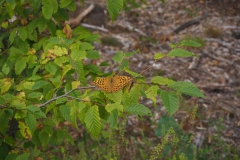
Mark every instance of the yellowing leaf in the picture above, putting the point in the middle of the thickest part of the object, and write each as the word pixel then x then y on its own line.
pixel 59 51
pixel 21 96
pixel 28 85
pixel 5 85
pixel 75 84
pixel 24 130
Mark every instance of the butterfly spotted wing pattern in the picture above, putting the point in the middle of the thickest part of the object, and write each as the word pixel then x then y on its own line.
pixel 119 82
pixel 114 84
pixel 104 84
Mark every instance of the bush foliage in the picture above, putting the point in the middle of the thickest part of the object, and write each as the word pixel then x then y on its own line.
pixel 46 81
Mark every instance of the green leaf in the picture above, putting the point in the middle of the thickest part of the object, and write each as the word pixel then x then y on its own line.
pixel 93 38
pixel 20 114
pixel 134 74
pixel 112 119
pixel 23 33
pixel 4 119
pixel 49 129
pixel 138 109
pixel 65 110
pixel 74 112
pixel 56 40
pixel 31 122
pixel 36 111
pixel 190 43
pixel 123 65
pixel 118 57
pixel 23 156
pixel 51 27
pixel 170 101
pixel 93 68
pixel 93 54
pixel 72 6
pixel 111 107
pixel 130 54
pixel 33 35
pixel 47 9
pixel 39 84
pixel 92 120
pixel 42 24
pixel 81 32
pixel 48 122
pixel 61 60
pixel 7 67
pixel 151 93
pixel 57 118
pixel 68 137
pixel 158 56
pixel 35 95
pixel 18 104
pixel 20 65
pixel 162 81
pixel 104 64
pixel 35 5
pixel 44 137
pixel 114 7
pixel 82 108
pixel 180 53
pixel 80 70
pixel 61 100
pixel 13 35
pixel 54 5
pixel 33 24
pixel 64 3
pixel 187 88
pixel 77 54
pixel 134 94
pixel 10 156
pixel 86 46
pixel 116 97
pixel 51 68
pixel 6 97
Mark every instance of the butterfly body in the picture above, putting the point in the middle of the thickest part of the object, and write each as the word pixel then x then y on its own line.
pixel 113 84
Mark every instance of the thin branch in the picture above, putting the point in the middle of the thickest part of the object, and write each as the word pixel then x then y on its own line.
pixel 64 95
pixel 53 99
pixel 94 27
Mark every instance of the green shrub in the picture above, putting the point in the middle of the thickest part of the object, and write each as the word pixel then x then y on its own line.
pixel 45 81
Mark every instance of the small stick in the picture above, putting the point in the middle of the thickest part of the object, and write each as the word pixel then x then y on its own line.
pixel 94 27
pixel 74 22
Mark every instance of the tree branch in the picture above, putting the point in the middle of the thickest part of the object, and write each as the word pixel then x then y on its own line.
pixel 53 99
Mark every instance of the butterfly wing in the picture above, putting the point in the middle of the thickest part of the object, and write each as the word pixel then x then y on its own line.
pixel 119 82
pixel 103 83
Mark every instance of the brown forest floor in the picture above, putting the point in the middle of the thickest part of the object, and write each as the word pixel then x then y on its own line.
pixel 216 72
